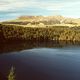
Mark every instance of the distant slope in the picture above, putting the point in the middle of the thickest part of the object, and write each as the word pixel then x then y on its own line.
pixel 46 20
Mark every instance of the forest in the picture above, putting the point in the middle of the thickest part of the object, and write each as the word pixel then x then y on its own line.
pixel 47 33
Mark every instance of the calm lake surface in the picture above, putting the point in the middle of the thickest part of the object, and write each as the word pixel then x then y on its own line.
pixel 41 60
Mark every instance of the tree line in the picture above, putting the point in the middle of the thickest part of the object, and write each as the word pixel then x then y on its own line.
pixel 13 32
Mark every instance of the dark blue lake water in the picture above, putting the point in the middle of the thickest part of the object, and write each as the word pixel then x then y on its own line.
pixel 41 62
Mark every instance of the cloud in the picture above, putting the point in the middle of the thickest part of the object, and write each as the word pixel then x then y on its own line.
pixel 44 4
pixel 17 4
pixel 43 7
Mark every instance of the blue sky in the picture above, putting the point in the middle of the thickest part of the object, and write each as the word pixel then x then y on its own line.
pixel 10 9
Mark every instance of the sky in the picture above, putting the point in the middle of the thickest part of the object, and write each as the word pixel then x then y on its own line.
pixel 10 9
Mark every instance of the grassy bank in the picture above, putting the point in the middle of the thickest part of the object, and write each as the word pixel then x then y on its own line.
pixel 13 32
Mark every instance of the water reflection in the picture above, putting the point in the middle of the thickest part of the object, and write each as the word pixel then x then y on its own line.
pixel 18 46
pixel 52 60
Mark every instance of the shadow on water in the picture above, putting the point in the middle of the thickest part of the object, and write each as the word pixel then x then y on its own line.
pixel 41 64
pixel 18 46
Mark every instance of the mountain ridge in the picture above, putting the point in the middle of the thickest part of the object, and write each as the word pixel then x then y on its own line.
pixel 46 20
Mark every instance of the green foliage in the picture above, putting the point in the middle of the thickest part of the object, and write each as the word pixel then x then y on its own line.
pixel 13 32
pixel 11 75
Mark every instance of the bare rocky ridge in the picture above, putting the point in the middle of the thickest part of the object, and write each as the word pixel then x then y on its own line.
pixel 46 20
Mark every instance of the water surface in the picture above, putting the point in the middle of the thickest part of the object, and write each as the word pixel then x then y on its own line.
pixel 41 61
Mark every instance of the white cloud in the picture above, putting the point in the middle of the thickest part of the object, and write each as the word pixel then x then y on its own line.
pixel 48 5
pixel 6 5
pixel 14 4
pixel 17 4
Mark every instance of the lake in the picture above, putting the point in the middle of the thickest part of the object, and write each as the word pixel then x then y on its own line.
pixel 41 60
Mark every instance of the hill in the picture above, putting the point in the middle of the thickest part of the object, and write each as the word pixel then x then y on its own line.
pixel 40 28
pixel 44 20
